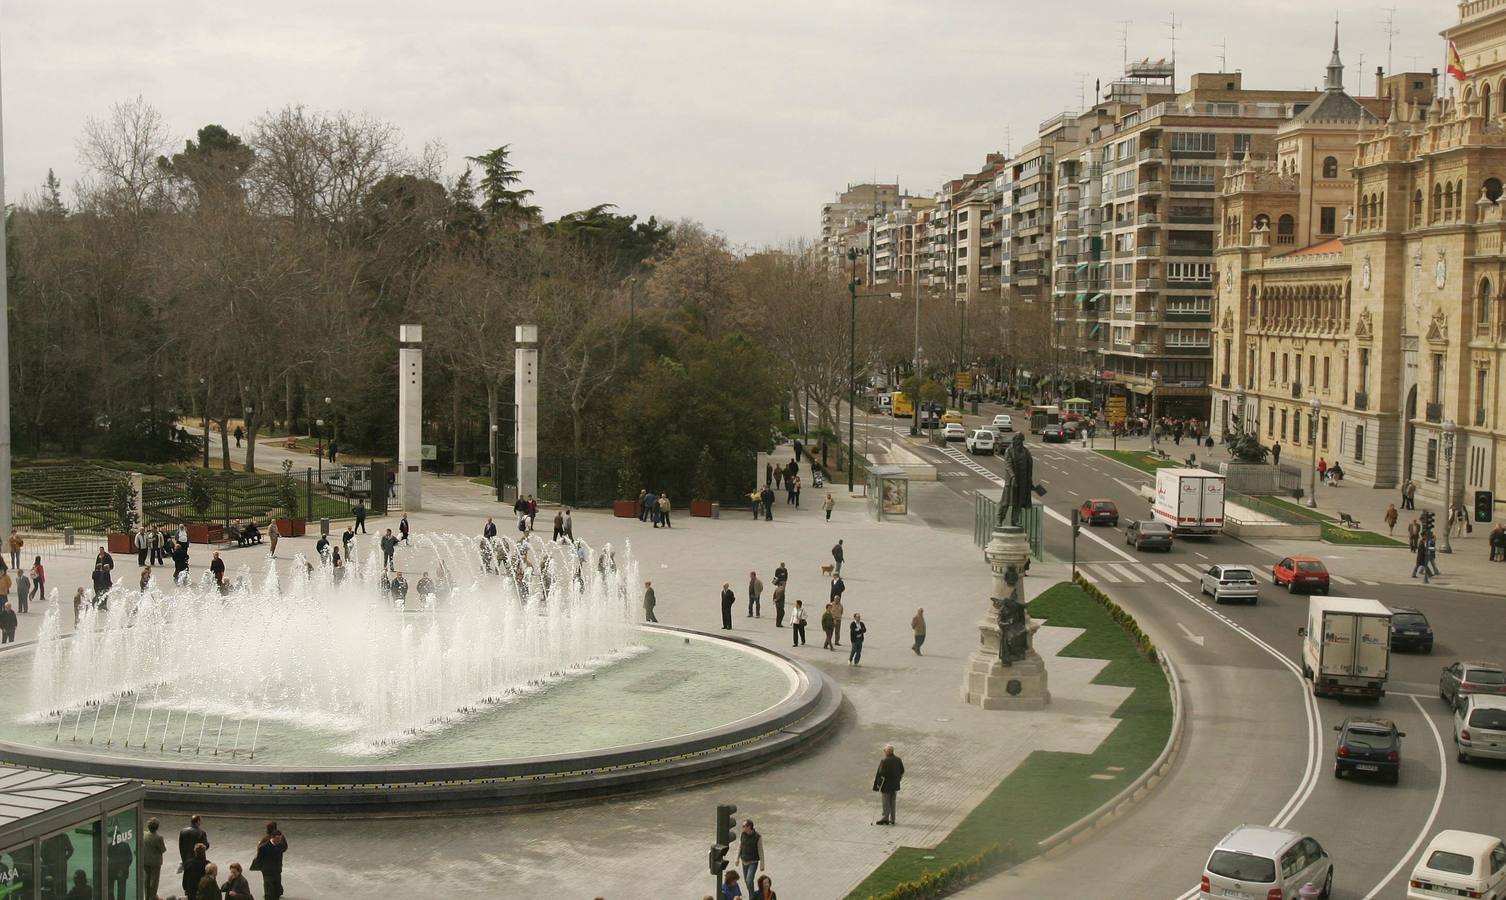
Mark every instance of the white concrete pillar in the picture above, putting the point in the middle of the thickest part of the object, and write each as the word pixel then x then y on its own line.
pixel 410 416
pixel 526 396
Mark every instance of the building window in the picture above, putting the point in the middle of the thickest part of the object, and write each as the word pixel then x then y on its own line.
pixel 1437 378
pixel 1359 443
pixel 1283 423
pixel 1286 230
pixel 1270 422
pixel 1482 382
pixel 1286 372
pixel 1433 459
pixel 1252 377
pixel 1364 370
pixel 1417 208
pixel 1482 305
pixel 1189 271
pixel 1192 143
pixel 1242 144
pixel 1327 219
pixel 1323 441
pixel 1326 361
pixel 1189 305
pixel 1192 174
pixel 1312 370
pixel 1330 167
pixel 1273 367
pixel 1186 337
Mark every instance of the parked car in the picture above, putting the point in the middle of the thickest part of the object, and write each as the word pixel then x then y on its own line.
pixel 1148 534
pixel 953 433
pixel 1470 678
pixel 1255 862
pixel 1003 423
pixel 1230 583
pixel 1071 428
pixel 1093 512
pixel 929 419
pixel 951 417
pixel 1053 434
pixel 981 441
pixel 1460 864
pixel 1410 629
pixel 1480 727
pixel 1305 573
pixel 1370 746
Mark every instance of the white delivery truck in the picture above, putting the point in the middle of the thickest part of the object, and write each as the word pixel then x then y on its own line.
pixel 1191 501
pixel 1346 646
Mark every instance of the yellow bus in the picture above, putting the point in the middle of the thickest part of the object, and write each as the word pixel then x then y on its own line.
pixel 901 405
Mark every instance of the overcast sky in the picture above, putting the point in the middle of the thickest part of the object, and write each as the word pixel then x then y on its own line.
pixel 744 115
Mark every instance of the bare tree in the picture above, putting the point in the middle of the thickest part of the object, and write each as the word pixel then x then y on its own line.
pixel 121 150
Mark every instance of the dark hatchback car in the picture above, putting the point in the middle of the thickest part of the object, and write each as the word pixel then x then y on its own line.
pixel 1148 534
pixel 1410 630
pixel 1053 434
pixel 1368 746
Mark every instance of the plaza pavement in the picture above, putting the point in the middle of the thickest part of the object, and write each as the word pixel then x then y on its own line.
pixel 815 810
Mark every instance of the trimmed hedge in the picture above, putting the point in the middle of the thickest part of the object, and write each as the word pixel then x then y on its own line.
pixel 1117 613
pixel 952 878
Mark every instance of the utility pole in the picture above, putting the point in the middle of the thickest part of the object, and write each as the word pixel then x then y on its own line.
pixel 852 365
pixel 7 506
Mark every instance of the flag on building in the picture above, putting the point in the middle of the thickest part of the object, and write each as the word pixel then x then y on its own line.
pixel 1455 64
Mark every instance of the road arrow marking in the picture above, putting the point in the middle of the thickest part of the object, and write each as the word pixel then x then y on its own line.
pixel 1195 638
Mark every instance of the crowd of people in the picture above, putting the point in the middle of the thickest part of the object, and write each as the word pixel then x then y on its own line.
pixel 200 876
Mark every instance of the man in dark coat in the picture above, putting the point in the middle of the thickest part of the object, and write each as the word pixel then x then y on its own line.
pixel 837 554
pixel 269 853
pixel 191 834
pixel 728 599
pixel 360 517
pixel 886 782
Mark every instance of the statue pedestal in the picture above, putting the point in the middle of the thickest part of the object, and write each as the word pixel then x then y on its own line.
pixel 989 682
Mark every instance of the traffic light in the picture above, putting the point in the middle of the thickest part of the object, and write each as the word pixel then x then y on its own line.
pixel 1485 502
pixel 726 833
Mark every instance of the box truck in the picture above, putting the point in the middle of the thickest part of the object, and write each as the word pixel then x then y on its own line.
pixel 1346 646
pixel 1191 501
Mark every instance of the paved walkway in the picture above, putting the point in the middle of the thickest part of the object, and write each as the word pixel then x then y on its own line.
pixel 814 810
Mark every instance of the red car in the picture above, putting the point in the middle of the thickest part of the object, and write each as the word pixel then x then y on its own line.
pixel 1301 573
pixel 1094 511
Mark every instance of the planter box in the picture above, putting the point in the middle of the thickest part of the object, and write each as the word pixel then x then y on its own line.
pixel 700 508
pixel 625 509
pixel 290 527
pixel 119 543
pixel 205 533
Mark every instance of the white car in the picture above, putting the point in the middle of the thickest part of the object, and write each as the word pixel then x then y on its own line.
pixel 1480 727
pixel 1230 583
pixel 1460 864
pixel 982 441
pixel 953 432
pixel 1003 423
pixel 1254 862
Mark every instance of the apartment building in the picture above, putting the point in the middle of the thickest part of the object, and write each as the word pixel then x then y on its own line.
pixel 854 207
pixel 1146 299
pixel 895 248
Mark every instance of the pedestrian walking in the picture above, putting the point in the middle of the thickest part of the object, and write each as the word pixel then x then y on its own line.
pixel 1391 517
pixel 141 543
pixel 389 547
pixel 333 451
pixel 886 781
pixel 781 576
pixel 180 561
pixel 796 492
pixel 826 625
pixel 217 569
pixel 856 632
pixel 730 889
pixel 1409 495
pixel 239 434
pixel 664 507
pixel 533 512
pixel 768 473
pixel 765 889
pixel 1432 546
pixel 8 620
pixel 569 527
pixel 837 554
pixel 272 535
pixel 489 530
pixel 347 538
pixel 1420 563
pixel 728 600
pixel 15 543
pixel 918 627
pixel 836 619
pixel 191 836
pixel 797 625
pixel 1322 469
pixel 755 596
pixel 755 498
pixel 1498 543
pixel 153 850
pixel 1276 454
pixel 649 602
pixel 402 528
pixel 269 853
pixel 828 505
pixel 23 591
pixel 778 478
pixel 1414 533
pixel 768 504
pixel 559 526
pixel 155 541
pixel 360 517
pixel 750 851
pixel 779 606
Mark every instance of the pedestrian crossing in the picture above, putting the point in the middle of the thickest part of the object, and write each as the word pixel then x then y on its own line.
pixel 1174 573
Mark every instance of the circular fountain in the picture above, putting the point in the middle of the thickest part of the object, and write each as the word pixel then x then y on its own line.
pixel 513 672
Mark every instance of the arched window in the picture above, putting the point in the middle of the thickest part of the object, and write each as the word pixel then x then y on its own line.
pixel 1286 230
pixel 1330 167
pixel 1448 202
pixel 1262 220
pixel 1417 208
pixel 1492 188
pixel 1482 305
pixel 1485 100
pixel 1437 211
pixel 1380 208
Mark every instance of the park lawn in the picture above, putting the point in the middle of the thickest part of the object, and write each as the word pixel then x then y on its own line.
pixel 1139 459
pixel 1334 533
pixel 1051 790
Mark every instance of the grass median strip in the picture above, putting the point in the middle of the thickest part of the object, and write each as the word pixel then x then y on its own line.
pixel 1049 790
pixel 1333 532
pixel 1139 459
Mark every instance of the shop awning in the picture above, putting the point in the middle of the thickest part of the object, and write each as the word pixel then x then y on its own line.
pixel 1081 296
pixel 1094 331
pixel 1076 400
pixel 1100 296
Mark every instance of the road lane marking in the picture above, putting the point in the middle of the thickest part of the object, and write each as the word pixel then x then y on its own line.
pixel 1194 573
pixel 1125 572
pixel 1427 827
pixel 1340 579
pixel 1199 555
pixel 1195 638
pixel 1168 570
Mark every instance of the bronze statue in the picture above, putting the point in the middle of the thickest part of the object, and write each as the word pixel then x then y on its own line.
pixel 1014 631
pixel 1019 481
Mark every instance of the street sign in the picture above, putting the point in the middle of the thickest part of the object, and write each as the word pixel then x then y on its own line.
pixel 964 380
pixel 1114 410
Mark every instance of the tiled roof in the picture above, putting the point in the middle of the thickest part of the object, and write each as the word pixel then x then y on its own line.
pixel 1332 245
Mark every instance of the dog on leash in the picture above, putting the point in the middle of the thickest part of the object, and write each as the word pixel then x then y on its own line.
pixel 827 570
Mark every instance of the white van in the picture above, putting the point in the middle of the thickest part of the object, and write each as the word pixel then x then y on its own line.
pixel 981 441
pixel 1258 862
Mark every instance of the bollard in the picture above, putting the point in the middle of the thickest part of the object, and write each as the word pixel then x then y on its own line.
pixel 1309 891
pixel 68 536
pixel 324 525
pixel 716 509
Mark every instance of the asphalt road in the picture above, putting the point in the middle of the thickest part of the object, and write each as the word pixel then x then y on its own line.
pixel 1259 747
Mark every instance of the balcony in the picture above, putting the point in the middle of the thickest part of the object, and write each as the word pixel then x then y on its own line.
pixel 1435 412
pixel 1148 348
pixel 1196 187
pixel 1188 315
pixel 1147 284
pixel 1361 402
pixel 1189 219
pixel 1188 250
pixel 1146 316
pixel 1193 154
pixel 1190 284
pixel 1296 390
pixel 1152 155
pixel 1188 350
pixel 1148 219
pixel 1150 187
pixel 1148 251
pixel 1065 259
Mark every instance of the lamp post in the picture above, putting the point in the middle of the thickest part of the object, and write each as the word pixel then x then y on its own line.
pixel 1448 482
pixel 319 423
pixel 1312 440
pixel 915 367
pixel 1239 411
pixel 852 361
pixel 1155 382
pixel 203 382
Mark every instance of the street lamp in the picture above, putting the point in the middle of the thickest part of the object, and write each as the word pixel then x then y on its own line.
pixel 1239 411
pixel 319 424
pixel 1448 482
pixel 1155 382
pixel 205 384
pixel 915 367
pixel 1312 439
pixel 852 361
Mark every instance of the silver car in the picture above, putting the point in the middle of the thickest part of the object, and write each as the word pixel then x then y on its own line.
pixel 1230 583
pixel 1254 862
pixel 1480 727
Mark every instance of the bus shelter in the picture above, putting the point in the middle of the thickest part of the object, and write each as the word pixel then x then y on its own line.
pixel 69 835
pixel 888 492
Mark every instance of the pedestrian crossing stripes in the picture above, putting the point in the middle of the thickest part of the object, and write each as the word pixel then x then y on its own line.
pixel 1175 573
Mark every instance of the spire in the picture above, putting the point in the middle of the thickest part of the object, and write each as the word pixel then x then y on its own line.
pixel 1335 80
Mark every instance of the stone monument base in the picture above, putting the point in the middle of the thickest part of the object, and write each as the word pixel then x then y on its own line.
pixel 990 684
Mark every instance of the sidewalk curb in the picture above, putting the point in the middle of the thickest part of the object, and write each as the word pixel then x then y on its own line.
pixel 1138 789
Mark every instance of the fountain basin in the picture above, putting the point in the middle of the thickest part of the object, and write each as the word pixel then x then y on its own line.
pixel 688 706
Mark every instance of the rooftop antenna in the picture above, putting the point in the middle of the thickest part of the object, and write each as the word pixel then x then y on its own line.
pixel 1124 25
pixel 1223 55
pixel 1082 90
pixel 1006 142
pixel 1391 32
pixel 1172 25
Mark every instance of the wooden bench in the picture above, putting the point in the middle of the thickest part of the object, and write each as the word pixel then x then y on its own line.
pixel 1348 521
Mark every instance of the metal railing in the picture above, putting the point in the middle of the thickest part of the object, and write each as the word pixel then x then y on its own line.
pixel 986 516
